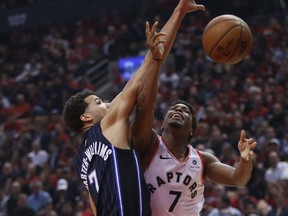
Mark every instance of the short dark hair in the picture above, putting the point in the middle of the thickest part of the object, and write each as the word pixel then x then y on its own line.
pixel 74 108
pixel 192 110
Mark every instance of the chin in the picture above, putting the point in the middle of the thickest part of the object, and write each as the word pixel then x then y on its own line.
pixel 175 124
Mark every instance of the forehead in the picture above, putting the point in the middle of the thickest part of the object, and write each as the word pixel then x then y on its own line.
pixel 182 106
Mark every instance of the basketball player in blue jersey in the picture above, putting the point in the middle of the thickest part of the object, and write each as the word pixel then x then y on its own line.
pixel 173 169
pixel 105 162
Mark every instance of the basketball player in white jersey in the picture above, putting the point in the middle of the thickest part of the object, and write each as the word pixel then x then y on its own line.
pixel 174 170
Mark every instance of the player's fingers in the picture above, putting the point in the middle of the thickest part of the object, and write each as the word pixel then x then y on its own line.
pixel 250 141
pixel 154 27
pixel 242 136
pixel 200 7
pixel 242 146
pixel 159 42
pixel 157 35
pixel 253 145
pixel 147 27
pixel 160 34
pixel 147 30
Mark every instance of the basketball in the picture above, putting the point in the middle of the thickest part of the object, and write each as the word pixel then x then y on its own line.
pixel 227 39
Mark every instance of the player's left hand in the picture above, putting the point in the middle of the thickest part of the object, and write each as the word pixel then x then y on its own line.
pixel 246 146
pixel 154 41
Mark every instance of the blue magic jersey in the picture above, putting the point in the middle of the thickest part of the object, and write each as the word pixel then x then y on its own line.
pixel 112 176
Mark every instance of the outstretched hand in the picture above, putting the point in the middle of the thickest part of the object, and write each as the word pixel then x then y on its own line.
pixel 154 41
pixel 246 146
pixel 190 6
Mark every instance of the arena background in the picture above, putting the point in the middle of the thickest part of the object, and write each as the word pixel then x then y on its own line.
pixel 50 50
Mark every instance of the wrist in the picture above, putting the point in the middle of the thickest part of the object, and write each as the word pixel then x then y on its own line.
pixel 246 160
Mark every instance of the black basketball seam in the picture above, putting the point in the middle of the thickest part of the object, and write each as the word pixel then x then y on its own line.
pixel 205 30
pixel 223 35
pixel 241 32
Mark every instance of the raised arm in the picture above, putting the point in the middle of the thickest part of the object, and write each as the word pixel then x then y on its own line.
pixel 123 104
pixel 143 136
pixel 224 174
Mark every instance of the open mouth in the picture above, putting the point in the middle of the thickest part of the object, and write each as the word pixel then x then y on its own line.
pixel 176 115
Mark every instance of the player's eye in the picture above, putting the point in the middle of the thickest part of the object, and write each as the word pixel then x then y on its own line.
pixel 186 111
pixel 98 101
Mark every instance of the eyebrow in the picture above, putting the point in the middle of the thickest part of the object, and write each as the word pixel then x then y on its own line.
pixel 182 107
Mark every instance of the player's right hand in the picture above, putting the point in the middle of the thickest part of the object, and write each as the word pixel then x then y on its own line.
pixel 154 41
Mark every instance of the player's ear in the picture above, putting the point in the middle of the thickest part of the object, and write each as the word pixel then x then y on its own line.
pixel 85 117
pixel 191 134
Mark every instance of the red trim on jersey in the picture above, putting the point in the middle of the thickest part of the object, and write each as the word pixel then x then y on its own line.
pixel 153 154
pixel 203 163
pixel 186 159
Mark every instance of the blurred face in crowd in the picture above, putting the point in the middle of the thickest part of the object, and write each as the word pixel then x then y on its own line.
pixel 273 159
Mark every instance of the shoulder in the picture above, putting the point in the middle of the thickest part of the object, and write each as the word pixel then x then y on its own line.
pixel 208 157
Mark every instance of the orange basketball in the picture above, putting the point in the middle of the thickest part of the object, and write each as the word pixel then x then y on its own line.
pixel 227 39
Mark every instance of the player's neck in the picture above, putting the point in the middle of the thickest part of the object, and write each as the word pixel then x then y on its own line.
pixel 176 145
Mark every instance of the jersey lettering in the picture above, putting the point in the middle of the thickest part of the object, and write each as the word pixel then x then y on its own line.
pixel 176 177
pixel 177 194
pixel 96 148
pixel 93 179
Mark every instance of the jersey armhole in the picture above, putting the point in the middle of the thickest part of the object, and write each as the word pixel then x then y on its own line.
pixel 152 155
pixel 203 165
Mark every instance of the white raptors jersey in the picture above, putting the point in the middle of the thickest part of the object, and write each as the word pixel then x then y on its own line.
pixel 176 187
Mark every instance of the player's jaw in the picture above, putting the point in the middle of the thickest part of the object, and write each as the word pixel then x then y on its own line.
pixel 175 119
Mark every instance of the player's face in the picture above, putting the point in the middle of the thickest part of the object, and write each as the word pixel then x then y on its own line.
pixel 96 108
pixel 178 116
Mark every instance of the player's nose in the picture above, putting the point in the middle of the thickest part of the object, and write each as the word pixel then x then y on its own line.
pixel 178 109
pixel 107 105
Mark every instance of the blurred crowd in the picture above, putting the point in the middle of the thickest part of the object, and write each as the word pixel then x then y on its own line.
pixel 13 4
pixel 38 71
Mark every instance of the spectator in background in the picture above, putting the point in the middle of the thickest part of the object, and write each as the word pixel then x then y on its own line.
pixel 13 197
pixel 53 151
pixel 276 168
pixel 3 201
pixel 4 101
pixel 38 156
pixel 62 195
pixel 228 155
pixel 281 205
pixel 241 199
pixel 274 145
pixel 22 207
pixel 223 207
pixel 29 176
pixel 67 209
pixel 169 76
pixel 20 109
pixel 277 116
pixel 31 70
pixel 257 186
pixel 7 176
pixel 273 188
pixel 38 198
